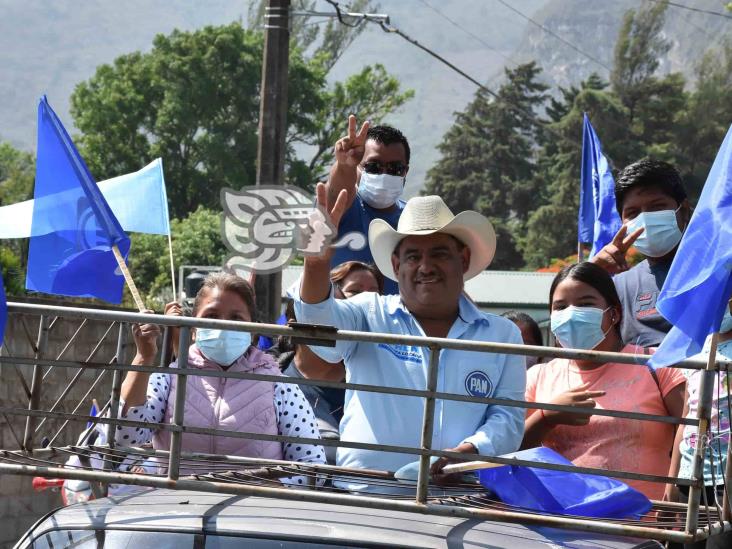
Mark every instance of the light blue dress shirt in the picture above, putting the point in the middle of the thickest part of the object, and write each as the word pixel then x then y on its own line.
pixel 397 420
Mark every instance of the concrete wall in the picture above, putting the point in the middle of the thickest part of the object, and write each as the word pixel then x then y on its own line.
pixel 20 506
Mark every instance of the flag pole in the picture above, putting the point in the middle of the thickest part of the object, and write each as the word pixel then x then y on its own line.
pixel 580 253
pixel 128 278
pixel 172 267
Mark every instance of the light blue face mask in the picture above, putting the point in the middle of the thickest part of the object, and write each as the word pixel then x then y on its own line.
pixel 222 346
pixel 578 327
pixel 661 234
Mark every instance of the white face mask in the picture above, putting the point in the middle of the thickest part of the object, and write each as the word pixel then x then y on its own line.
pixel 661 234
pixel 380 190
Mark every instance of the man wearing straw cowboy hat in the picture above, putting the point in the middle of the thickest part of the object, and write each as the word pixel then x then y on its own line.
pixel 431 254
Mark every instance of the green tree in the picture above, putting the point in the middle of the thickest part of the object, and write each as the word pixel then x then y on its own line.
pixel 488 159
pixel 702 125
pixel 194 101
pixel 551 231
pixel 196 241
pixel 13 274
pixel 652 101
pixel 17 172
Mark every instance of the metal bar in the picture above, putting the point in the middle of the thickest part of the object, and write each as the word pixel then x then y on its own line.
pixel 28 336
pixel 9 354
pixel 93 352
pixel 347 499
pixel 35 399
pixel 73 338
pixel 76 377
pixel 116 384
pixel 727 494
pixel 374 389
pixel 179 406
pixel 76 409
pixel 273 329
pixel 70 385
pixel 12 431
pixel 359 446
pixel 428 421
pixel 704 415
pixel 166 347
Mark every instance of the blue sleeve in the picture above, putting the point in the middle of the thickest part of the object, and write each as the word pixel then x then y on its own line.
pixel 341 313
pixel 503 428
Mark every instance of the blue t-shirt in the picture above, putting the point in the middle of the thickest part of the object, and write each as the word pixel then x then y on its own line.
pixel 356 220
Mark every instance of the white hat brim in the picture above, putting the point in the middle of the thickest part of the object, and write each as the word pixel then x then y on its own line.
pixel 471 228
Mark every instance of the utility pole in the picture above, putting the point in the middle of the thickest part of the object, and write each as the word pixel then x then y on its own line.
pixel 272 132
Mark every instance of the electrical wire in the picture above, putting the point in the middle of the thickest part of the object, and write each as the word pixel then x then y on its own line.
pixel 555 35
pixel 697 10
pixel 466 31
pixel 340 16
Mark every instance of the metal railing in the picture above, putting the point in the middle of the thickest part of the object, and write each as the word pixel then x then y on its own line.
pixel 32 459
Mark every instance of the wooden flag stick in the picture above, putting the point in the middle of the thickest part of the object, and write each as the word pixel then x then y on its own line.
pixel 128 278
pixel 172 267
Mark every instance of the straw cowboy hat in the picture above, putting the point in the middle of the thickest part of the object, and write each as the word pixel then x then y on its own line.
pixel 425 215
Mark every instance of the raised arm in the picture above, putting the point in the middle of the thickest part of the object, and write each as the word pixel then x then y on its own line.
pixel 348 154
pixel 612 256
pixel 134 387
pixel 315 285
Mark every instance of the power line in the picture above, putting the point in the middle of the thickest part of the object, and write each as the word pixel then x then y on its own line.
pixel 466 31
pixel 555 35
pixel 393 30
pixel 388 28
pixel 697 10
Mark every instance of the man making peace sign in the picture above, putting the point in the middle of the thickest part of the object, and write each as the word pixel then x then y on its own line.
pixel 371 165
pixel 652 203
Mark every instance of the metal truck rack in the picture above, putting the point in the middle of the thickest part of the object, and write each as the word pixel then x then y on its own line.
pixel 675 522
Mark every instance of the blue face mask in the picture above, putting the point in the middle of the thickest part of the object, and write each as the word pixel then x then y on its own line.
pixel 661 234
pixel 222 346
pixel 578 327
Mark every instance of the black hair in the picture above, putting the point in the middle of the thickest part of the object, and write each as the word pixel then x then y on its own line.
pixel 522 318
pixel 340 273
pixel 386 135
pixel 649 172
pixel 593 276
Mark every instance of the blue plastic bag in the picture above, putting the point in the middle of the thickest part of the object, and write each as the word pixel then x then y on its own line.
pixel 562 492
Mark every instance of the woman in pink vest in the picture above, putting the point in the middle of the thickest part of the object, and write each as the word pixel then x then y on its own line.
pixel 215 402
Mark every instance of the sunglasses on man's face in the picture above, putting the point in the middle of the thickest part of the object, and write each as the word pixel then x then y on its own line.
pixel 391 168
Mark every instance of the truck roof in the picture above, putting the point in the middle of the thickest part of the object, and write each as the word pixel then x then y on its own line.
pixel 162 510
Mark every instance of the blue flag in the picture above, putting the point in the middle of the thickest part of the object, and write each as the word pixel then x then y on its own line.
pixel 699 283
pixel 75 257
pixel 3 308
pixel 92 412
pixel 138 201
pixel 598 217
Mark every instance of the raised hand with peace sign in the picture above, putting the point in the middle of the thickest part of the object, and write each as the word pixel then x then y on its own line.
pixel 612 256
pixel 349 151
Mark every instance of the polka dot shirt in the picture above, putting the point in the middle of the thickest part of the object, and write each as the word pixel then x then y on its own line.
pixel 295 418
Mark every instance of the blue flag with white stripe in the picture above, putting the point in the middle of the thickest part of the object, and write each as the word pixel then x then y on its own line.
pixel 699 282
pixel 598 216
pixel 74 257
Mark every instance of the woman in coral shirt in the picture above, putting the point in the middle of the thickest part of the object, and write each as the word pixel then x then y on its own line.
pixel 586 314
